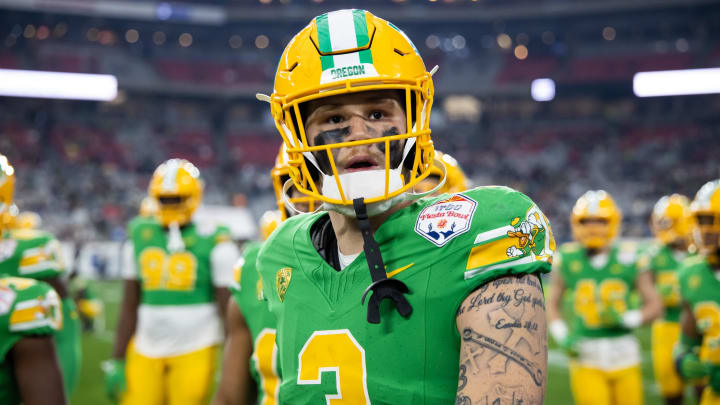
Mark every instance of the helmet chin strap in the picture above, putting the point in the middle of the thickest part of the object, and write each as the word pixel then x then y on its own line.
pixel 381 287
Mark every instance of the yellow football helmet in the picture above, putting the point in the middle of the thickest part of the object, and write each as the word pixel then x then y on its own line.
pixel 705 214
pixel 280 174
pixel 178 189
pixel 27 220
pixel 595 205
pixel 7 188
pixel 455 179
pixel 670 219
pixel 148 207
pixel 268 222
pixel 339 53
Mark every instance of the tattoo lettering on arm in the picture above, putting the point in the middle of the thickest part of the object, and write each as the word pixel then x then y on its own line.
pixel 503 355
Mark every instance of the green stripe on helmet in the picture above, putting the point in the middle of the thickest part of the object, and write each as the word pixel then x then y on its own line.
pixel 361 32
pixel 323 30
pixel 327 62
pixel 365 56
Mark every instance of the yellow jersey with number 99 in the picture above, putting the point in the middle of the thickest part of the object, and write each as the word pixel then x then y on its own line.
pixel 177 312
pixel 598 288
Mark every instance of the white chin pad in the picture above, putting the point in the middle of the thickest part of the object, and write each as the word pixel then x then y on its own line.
pixel 362 184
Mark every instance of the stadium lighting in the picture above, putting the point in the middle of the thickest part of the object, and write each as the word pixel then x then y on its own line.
pixel 677 82
pixel 71 86
pixel 542 89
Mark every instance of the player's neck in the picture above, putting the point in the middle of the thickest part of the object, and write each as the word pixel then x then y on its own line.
pixel 348 233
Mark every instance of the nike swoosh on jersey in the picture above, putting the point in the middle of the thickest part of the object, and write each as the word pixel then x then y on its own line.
pixel 397 271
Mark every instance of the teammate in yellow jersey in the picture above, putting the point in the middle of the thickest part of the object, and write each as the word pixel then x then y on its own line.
pixel 455 179
pixel 697 356
pixel 670 223
pixel 601 275
pixel 250 371
pixel 176 276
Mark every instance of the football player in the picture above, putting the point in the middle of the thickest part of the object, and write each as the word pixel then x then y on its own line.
pixel 601 275
pixel 251 327
pixel 384 297
pixel 697 356
pixel 670 223
pixel 30 315
pixel 175 295
pixel 37 254
pixel 455 179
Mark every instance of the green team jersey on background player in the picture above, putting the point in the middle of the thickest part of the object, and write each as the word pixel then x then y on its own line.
pixel 36 254
pixel 701 290
pixel 27 308
pixel 665 263
pixel 597 291
pixel 442 248
pixel 247 293
pixel 174 278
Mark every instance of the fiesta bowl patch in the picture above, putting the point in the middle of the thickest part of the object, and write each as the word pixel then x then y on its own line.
pixel 446 219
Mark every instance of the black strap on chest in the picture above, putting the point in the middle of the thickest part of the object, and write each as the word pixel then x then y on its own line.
pixel 381 287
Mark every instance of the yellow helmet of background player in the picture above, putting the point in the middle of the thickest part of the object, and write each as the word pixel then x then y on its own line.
pixel 27 220
pixel 268 222
pixel 595 205
pixel 7 188
pixel 343 52
pixel 178 189
pixel 670 219
pixel 280 174
pixel 705 211
pixel 148 207
pixel 455 179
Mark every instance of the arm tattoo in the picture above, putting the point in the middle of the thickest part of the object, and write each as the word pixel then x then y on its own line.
pixel 469 335
pixel 503 357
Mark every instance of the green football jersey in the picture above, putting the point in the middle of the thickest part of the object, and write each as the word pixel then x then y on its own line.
pixel 596 290
pixel 664 263
pixel 30 253
pixel 174 278
pixel 700 288
pixel 36 254
pixel 27 308
pixel 247 293
pixel 442 248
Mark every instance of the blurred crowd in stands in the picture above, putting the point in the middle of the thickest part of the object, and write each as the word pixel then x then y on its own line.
pixel 84 166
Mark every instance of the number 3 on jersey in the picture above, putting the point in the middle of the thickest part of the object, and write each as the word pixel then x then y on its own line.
pixel 161 271
pixel 335 351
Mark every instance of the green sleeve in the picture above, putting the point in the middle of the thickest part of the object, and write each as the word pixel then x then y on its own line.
pixel 510 236
pixel 40 255
pixel 35 310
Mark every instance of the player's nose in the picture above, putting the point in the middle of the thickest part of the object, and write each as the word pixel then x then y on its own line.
pixel 359 129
